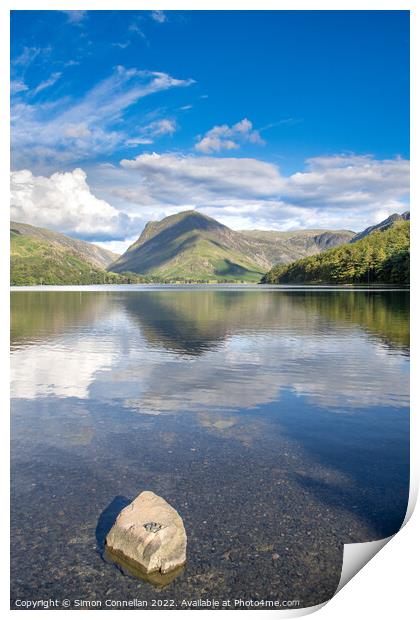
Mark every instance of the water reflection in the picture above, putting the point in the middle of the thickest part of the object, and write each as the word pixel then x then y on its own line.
pixel 157 579
pixel 38 316
pixel 275 422
pixel 172 351
pixel 191 322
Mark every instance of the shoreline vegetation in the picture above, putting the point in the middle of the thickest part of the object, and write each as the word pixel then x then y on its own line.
pixel 380 255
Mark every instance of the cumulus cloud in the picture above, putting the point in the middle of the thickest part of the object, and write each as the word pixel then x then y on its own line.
pixel 346 181
pixel 331 192
pixel 340 191
pixel 201 179
pixel 46 132
pixel 64 202
pixel 226 138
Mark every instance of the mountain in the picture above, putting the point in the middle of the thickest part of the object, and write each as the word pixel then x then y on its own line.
pixel 192 246
pixel 93 254
pixel 384 225
pixel 285 247
pixel 41 256
pixel 380 256
pixel 189 246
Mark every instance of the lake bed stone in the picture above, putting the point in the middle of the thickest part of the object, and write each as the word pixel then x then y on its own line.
pixel 150 534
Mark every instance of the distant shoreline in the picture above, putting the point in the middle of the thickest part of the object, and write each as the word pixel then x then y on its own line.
pixel 211 286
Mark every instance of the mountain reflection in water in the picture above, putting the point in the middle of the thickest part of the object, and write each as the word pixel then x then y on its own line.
pixel 214 349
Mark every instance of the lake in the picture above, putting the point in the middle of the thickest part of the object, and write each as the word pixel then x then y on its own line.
pixel 275 420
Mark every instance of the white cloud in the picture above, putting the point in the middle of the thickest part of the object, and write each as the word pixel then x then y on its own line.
pixel 27 56
pixel 205 178
pixel 156 129
pixel 17 86
pixel 223 137
pixel 64 202
pixel 47 83
pixel 45 132
pixel 137 141
pixel 123 46
pixel 75 17
pixel 20 64
pixel 243 193
pixel 79 130
pixel 134 27
pixel 159 16
pixel 162 127
pixel 339 192
pixel 119 247
pixel 347 181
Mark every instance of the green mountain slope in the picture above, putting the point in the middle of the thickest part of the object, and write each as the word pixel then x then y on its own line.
pixel 93 254
pixel 40 256
pixel 382 256
pixel 382 226
pixel 193 246
pixel 186 247
pixel 190 246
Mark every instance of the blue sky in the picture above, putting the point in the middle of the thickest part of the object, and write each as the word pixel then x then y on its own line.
pixel 280 119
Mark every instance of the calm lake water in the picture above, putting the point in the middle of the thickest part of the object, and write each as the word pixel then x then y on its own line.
pixel 275 421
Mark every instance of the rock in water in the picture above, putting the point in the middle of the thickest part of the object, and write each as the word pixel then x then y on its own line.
pixel 150 534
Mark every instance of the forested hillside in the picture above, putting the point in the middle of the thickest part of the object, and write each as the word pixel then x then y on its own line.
pixel 380 257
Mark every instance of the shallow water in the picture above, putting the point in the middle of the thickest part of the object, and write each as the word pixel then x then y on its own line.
pixel 275 421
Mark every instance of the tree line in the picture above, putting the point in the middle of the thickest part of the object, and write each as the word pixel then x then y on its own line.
pixel 381 257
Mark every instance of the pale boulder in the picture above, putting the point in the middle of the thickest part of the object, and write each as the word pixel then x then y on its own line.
pixel 150 534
